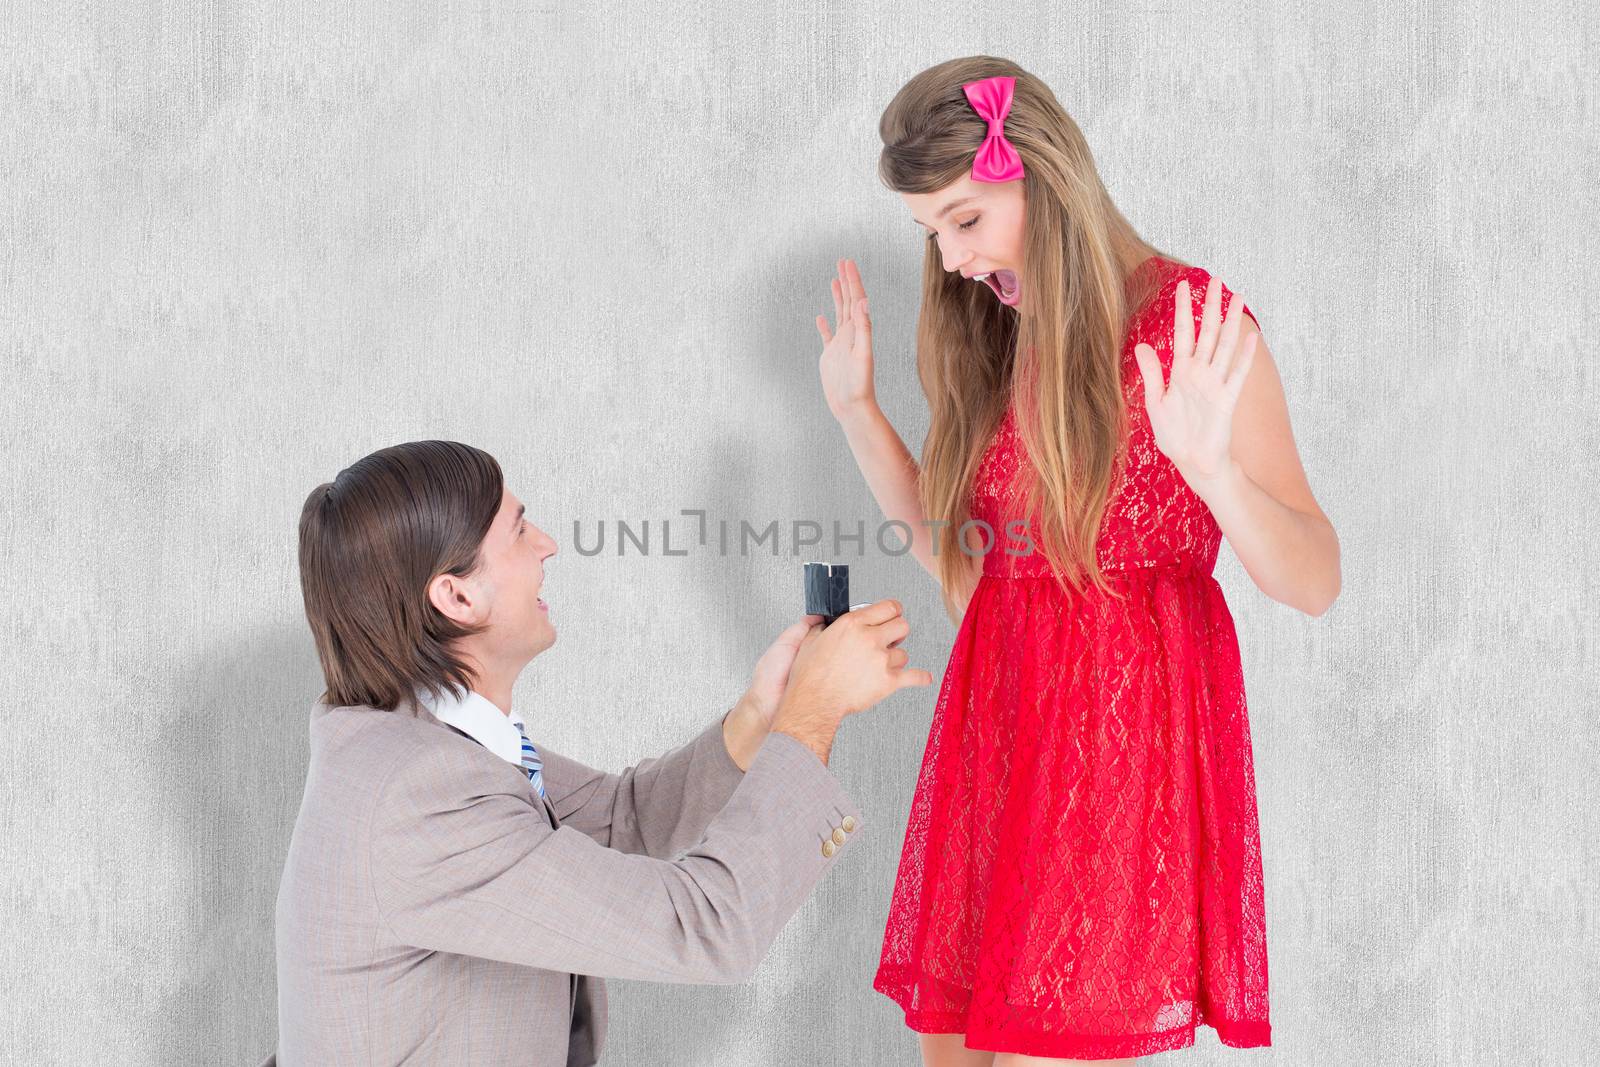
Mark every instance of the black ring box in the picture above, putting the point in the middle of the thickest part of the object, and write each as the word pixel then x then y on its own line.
pixel 827 590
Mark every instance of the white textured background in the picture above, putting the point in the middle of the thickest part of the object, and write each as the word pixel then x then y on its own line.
pixel 247 241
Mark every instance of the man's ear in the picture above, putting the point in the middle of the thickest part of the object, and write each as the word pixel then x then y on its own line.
pixel 457 599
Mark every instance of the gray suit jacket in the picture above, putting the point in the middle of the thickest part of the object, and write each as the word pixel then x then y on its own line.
pixel 434 910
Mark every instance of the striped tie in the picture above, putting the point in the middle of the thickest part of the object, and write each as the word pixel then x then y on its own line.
pixel 532 763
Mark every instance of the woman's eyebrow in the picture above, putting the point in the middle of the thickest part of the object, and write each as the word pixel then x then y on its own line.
pixel 951 206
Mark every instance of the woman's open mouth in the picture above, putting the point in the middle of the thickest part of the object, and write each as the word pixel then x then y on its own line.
pixel 1004 284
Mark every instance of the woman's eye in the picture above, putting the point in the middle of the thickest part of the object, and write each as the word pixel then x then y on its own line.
pixel 969 224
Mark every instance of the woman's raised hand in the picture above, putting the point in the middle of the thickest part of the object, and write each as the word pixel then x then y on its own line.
pixel 846 363
pixel 1192 414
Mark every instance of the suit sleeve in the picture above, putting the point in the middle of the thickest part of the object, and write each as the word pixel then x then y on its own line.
pixel 464 865
pixel 658 807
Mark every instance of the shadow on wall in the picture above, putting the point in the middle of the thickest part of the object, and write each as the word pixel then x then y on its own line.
pixel 231 800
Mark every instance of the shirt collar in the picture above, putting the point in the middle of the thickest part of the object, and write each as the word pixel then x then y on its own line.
pixel 480 719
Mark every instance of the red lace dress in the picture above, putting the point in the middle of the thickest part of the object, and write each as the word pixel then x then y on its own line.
pixel 1081 874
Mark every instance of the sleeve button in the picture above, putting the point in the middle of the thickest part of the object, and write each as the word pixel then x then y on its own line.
pixel 829 848
pixel 849 824
pixel 838 836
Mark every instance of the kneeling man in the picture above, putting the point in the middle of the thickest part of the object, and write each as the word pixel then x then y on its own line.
pixel 454 892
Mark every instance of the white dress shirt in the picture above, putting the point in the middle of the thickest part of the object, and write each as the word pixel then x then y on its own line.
pixel 480 719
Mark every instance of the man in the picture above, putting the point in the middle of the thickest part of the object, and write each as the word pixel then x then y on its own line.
pixel 455 893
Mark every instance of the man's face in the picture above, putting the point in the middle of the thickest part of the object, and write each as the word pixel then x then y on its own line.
pixel 505 588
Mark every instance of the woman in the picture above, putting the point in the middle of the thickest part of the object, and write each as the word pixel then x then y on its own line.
pixel 1081 874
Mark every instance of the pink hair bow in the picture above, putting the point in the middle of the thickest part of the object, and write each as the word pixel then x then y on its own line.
pixel 997 160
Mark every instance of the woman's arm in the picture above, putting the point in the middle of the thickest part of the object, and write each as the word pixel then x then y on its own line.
pixel 885 462
pixel 1263 503
pixel 1223 422
pixel 891 474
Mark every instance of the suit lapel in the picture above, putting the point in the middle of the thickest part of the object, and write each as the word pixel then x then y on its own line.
pixel 544 802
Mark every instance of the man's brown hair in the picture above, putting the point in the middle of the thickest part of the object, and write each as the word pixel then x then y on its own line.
pixel 370 542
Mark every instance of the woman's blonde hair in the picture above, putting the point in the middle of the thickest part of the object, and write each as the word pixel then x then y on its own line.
pixel 1059 359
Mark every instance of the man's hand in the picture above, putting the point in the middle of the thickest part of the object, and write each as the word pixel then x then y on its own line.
pixel 843 670
pixel 748 724
pixel 771 676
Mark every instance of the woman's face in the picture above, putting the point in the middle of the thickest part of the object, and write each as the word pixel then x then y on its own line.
pixel 979 228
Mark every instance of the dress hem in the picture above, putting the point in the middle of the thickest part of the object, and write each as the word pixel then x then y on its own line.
pixel 1234 1033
